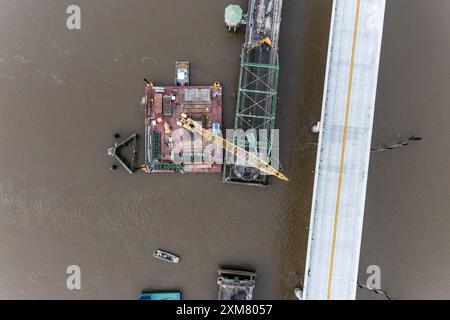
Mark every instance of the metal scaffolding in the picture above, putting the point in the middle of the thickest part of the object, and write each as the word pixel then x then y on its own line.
pixel 258 89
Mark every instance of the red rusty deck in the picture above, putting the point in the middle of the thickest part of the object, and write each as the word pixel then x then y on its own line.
pixel 164 106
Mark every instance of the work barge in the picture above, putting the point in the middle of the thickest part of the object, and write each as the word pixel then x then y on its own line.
pixel 258 88
pixel 251 154
pixel 170 148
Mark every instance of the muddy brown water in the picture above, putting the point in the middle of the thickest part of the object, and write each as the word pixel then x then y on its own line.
pixel 63 94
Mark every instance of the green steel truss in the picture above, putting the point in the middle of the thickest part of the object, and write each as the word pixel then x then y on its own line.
pixel 256 102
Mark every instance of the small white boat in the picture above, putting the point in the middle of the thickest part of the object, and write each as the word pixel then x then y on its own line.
pixel 165 256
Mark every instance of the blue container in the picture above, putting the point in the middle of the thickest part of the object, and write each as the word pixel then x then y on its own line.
pixel 168 295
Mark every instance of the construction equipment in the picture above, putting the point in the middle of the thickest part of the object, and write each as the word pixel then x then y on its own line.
pixel 182 69
pixel 235 284
pixel 251 160
pixel 256 101
pixel 163 106
pixel 264 41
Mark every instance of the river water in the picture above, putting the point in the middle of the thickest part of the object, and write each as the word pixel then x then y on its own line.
pixel 63 94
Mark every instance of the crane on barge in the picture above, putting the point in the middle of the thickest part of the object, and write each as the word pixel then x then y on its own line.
pixel 251 159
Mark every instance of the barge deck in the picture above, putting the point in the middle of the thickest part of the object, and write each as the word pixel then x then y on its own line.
pixel 170 148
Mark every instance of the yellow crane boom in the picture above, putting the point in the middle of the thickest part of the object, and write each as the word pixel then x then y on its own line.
pixel 265 40
pixel 251 159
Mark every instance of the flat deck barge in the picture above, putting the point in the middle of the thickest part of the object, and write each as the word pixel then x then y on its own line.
pixel 169 148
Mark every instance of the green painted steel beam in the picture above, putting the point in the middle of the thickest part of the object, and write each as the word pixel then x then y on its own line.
pixel 256 117
pixel 260 65
pixel 238 106
pixel 269 92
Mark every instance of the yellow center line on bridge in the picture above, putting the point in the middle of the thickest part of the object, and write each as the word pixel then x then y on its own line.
pixel 344 144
